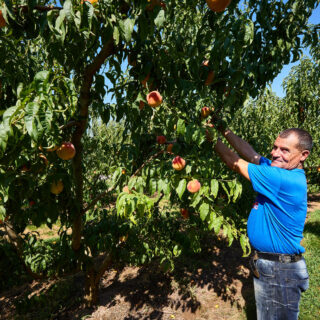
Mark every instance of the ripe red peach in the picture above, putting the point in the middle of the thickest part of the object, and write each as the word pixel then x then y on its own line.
pixel 154 99
pixel 66 151
pixel 178 163
pixel 193 186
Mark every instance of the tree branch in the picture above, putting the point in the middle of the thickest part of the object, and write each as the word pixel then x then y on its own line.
pixel 146 162
pixel 84 101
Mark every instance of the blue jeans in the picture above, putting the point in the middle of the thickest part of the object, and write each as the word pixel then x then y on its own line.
pixel 278 289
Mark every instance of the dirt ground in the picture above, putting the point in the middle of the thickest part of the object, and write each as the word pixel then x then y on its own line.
pixel 215 285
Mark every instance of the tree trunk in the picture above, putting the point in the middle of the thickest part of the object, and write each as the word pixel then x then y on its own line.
pixel 93 276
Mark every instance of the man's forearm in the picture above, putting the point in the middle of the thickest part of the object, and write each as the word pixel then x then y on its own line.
pixel 242 147
pixel 231 159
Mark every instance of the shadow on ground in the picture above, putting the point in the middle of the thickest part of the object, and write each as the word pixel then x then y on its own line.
pixel 215 284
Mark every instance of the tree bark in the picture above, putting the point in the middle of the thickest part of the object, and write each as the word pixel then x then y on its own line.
pixel 93 276
pixel 84 102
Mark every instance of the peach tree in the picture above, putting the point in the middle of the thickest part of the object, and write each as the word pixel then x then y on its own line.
pixel 63 58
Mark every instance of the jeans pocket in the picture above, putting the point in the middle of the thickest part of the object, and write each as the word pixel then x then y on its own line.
pixel 265 268
pixel 297 281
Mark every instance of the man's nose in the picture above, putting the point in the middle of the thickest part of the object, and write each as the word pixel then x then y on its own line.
pixel 275 152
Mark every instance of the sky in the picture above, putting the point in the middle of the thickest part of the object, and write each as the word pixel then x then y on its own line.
pixel 276 84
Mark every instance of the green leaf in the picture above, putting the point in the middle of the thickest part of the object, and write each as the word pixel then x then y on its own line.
pixel 216 223
pixel 3 136
pixel 30 117
pixel 181 127
pixel 245 245
pixel 249 32
pixel 116 35
pixel 2 212
pixel 214 186
pixel 159 20
pixel 176 251
pixel 237 191
pixel 181 187
pixel 204 211
pixel 126 28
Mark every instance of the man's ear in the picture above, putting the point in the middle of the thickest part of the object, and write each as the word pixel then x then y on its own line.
pixel 304 155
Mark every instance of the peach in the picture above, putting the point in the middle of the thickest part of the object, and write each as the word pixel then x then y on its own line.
pixel 210 78
pixel 152 4
pixel 178 163
pixel 169 148
pixel 66 151
pixel 91 1
pixel 318 169
pixel 126 189
pixel 184 213
pixel 205 111
pixel 25 168
pixel 193 186
pixel 218 5
pixel 154 99
pixel 56 187
pixel 32 203
pixel 145 80
pixel 161 139
pixel 141 105
pixel 2 21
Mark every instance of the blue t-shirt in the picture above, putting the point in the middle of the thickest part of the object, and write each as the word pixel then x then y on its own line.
pixel 277 218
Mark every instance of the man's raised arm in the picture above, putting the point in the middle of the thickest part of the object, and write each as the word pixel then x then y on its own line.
pixel 243 148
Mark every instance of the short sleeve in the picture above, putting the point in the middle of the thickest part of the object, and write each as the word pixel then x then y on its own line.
pixel 265 179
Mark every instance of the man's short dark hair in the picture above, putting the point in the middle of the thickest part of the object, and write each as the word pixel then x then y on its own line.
pixel 304 137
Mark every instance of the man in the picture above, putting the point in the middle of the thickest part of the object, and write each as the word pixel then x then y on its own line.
pixel 276 221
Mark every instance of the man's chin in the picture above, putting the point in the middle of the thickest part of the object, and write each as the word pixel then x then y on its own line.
pixel 276 163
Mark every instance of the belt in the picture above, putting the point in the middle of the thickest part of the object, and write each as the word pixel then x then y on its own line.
pixel 280 257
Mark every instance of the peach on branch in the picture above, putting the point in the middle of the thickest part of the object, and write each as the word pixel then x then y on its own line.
pixel 184 213
pixel 205 111
pixel 145 80
pixel 141 105
pixel 31 203
pixel 193 186
pixel 218 5
pixel 210 78
pixel 25 168
pixel 154 99
pixel 178 163
pixel 56 187
pixel 169 148
pixel 126 189
pixel 2 21
pixel 161 139
pixel 152 4
pixel 91 1
pixel 66 151
pixel 318 169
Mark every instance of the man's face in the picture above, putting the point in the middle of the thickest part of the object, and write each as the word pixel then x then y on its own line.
pixel 286 154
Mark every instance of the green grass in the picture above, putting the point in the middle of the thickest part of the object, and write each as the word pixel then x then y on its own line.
pixel 310 300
